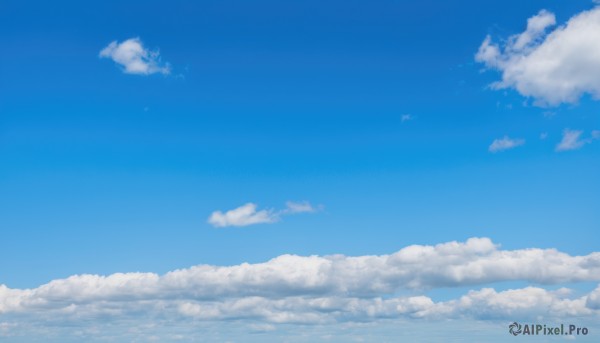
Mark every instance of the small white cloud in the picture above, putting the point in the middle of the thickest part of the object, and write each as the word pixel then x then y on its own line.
pixel 571 140
pixel 406 117
pixel 596 134
pixel 134 58
pixel 543 135
pixel 242 216
pixel 248 215
pixel 554 68
pixel 505 143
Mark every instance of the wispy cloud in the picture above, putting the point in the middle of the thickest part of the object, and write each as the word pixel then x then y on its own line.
pixel 248 214
pixel 505 143
pixel 134 58
pixel 553 68
pixel 406 117
pixel 571 140
pixel 242 216
pixel 300 207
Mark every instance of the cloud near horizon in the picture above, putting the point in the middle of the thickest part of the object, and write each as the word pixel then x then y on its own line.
pixel 553 68
pixel 247 214
pixel 323 289
pixel 134 58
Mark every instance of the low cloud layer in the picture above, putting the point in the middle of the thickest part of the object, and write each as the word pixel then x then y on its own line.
pixel 486 303
pixel 320 289
pixel 135 58
pixel 248 214
pixel 552 66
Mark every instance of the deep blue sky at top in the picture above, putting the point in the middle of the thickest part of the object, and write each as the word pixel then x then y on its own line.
pixel 270 101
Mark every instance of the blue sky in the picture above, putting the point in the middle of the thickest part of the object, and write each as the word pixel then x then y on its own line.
pixel 377 114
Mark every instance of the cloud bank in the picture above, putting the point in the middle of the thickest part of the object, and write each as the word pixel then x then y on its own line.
pixel 351 295
pixel 134 58
pixel 322 289
pixel 552 66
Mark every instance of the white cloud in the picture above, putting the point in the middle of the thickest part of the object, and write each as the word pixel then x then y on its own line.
pixel 308 290
pixel 242 216
pixel 543 135
pixel 486 303
pixel 293 282
pixel 505 143
pixel 134 58
pixel 248 215
pixel 558 67
pixel 596 134
pixel 571 140
pixel 274 319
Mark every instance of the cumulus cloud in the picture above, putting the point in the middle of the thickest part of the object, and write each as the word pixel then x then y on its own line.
pixel 572 140
pixel 552 66
pixel 247 214
pixel 307 290
pixel 505 143
pixel 311 289
pixel 134 58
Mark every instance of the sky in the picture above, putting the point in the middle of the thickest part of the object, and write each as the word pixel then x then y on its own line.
pixel 298 171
